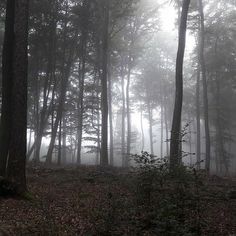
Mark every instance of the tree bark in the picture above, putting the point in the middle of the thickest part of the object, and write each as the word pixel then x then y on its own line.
pixel 49 79
pixel 162 122
pixel 7 82
pixel 110 115
pixel 128 110
pixel 64 82
pixel 150 127
pixel 104 98
pixel 59 143
pixel 18 142
pixel 65 73
pixel 141 124
pixel 176 123
pixel 198 144
pixel 83 48
pixel 204 83
pixel 123 153
pixel 64 147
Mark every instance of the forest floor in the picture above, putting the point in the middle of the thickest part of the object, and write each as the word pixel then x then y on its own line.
pixel 93 201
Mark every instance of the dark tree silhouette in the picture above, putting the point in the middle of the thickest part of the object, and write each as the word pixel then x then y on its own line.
pixel 104 102
pixel 176 123
pixel 15 149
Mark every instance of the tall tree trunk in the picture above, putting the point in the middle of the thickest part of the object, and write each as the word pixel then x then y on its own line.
pixel 104 99
pixel 123 152
pixel 30 138
pixel 98 121
pixel 80 107
pixel 18 142
pixel 166 128
pixel 219 131
pixel 110 114
pixel 128 110
pixel 198 144
pixel 49 79
pixel 83 48
pixel 65 74
pixel 165 104
pixel 7 82
pixel 64 147
pixel 162 125
pixel 190 140
pixel 141 123
pixel 98 138
pixel 59 111
pixel 59 143
pixel 150 127
pixel 176 123
pixel 204 82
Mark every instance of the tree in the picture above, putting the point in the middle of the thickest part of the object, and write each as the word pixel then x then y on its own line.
pixel 204 83
pixel 16 60
pixel 83 45
pixel 104 101
pixel 198 139
pixel 176 123
pixel 7 82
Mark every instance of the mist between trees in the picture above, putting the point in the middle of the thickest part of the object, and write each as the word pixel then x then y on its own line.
pixel 103 83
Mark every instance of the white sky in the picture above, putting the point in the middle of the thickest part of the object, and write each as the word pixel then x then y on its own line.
pixel 168 18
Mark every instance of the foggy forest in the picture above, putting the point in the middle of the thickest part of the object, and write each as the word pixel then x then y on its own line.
pixel 118 117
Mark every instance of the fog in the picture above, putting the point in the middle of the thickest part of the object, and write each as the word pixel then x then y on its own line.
pixel 141 58
pixel 120 88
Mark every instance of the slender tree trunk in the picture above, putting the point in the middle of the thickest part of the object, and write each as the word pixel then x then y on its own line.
pixel 104 99
pixel 49 79
pixel 128 111
pixel 64 147
pixel 219 130
pixel 150 127
pixel 190 140
pixel 32 148
pixel 141 122
pixel 97 110
pixel 39 135
pixel 81 108
pixel 166 128
pixel 98 124
pixel 162 128
pixel 110 114
pixel 198 144
pixel 36 68
pixel 123 153
pixel 59 143
pixel 176 123
pixel 30 139
pixel 59 114
pixel 65 74
pixel 85 19
pixel 98 138
pixel 165 107
pixel 204 81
